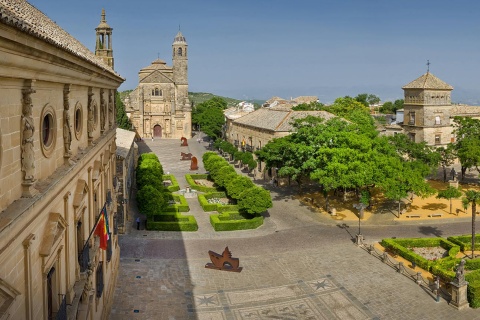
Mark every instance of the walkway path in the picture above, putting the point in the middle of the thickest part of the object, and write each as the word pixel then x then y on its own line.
pixel 299 265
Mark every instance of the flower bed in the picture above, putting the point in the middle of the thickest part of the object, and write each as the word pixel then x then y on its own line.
pixel 191 181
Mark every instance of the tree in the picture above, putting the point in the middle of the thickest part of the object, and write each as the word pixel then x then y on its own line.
pixel 313 106
pixel 467 132
pixel 254 200
pixel 447 158
pixel 209 116
pixel 449 194
pixel 237 185
pixel 367 100
pixel 123 121
pixel 150 200
pixel 472 198
pixel 387 108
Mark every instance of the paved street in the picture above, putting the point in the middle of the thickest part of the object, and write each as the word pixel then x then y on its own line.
pixel 298 265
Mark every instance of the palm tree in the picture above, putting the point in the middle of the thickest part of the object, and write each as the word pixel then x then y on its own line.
pixel 472 197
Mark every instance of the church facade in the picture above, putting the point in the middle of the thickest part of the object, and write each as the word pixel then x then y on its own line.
pixel 159 106
pixel 58 257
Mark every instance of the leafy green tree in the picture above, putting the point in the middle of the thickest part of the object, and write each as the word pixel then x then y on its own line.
pixel 254 200
pixel 413 151
pixel 220 168
pixel 449 194
pixel 149 171
pixel 398 104
pixel 313 106
pixel 150 200
pixel 237 185
pixel 447 158
pixel 225 174
pixel 467 132
pixel 387 108
pixel 472 198
pixel 211 162
pixel 209 116
pixel 207 155
pixel 122 119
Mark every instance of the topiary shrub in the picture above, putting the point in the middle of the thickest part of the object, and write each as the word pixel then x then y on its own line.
pixel 230 221
pixel 237 185
pixel 151 201
pixel 172 222
pixel 174 186
pixel 254 200
pixel 473 289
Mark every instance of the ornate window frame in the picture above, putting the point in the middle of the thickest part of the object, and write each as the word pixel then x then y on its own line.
pixel 78 120
pixel 48 136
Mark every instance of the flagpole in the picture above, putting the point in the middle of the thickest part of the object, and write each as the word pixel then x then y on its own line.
pixel 96 222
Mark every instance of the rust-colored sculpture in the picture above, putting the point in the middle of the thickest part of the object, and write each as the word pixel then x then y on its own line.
pixel 193 164
pixel 224 261
pixel 186 156
pixel 184 142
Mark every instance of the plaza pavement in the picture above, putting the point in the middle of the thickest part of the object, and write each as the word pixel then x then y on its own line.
pixel 298 265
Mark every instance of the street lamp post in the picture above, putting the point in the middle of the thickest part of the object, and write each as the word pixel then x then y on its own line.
pixel 359 237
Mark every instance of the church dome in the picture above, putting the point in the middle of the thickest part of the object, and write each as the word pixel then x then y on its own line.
pixel 179 38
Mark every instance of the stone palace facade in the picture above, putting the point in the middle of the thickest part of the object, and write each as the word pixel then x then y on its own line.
pixel 57 168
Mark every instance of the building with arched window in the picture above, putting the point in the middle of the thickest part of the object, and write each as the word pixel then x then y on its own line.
pixel 429 112
pixel 159 105
pixel 58 256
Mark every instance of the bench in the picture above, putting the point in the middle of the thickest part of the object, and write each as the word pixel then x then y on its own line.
pixel 413 216
pixel 435 215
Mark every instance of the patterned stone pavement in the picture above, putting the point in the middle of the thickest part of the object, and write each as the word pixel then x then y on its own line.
pixel 296 266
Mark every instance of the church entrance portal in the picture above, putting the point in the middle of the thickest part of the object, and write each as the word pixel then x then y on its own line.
pixel 157 131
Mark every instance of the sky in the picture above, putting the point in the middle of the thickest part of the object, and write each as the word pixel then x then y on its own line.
pixel 257 49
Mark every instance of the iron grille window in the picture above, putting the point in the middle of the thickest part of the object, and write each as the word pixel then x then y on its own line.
pixel 99 279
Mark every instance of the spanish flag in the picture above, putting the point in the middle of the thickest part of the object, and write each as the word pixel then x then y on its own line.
pixel 102 229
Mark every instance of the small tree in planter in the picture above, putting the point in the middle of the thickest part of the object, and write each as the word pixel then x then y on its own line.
pixel 254 200
pixel 236 186
pixel 449 194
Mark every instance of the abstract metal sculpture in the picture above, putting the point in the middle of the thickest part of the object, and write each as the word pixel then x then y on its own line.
pixel 224 261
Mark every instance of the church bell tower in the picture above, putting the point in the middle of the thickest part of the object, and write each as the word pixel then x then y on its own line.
pixel 103 46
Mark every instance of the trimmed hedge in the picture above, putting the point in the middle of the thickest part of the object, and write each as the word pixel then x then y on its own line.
pixel 400 246
pixel 175 186
pixel 191 181
pixel 172 222
pixel 224 222
pixel 465 242
pixel 473 289
pixel 444 268
pixel 178 207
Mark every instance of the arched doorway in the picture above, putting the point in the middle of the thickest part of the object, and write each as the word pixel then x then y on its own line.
pixel 157 131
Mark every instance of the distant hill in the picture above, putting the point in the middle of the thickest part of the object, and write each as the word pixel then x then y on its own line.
pixel 199 97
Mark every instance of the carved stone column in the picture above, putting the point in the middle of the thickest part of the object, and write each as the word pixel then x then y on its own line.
pixel 67 131
pixel 27 137
pixel 103 107
pixel 90 121
pixel 28 276
pixel 111 108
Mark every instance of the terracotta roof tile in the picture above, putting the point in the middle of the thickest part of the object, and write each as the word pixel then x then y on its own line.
pixel 428 81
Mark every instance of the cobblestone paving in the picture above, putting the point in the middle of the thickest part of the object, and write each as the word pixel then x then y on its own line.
pixel 296 266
